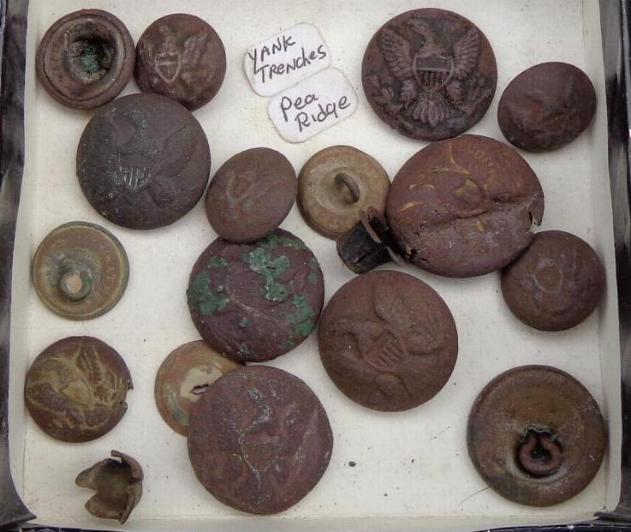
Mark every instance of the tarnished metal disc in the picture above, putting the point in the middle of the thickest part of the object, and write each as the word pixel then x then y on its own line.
pixel 336 184
pixel 80 270
pixel 536 435
pixel 75 389
pixel 183 376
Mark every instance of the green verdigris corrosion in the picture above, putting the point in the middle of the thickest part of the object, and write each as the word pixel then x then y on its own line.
pixel 302 319
pixel 217 262
pixel 314 268
pixel 272 241
pixel 261 261
pixel 202 296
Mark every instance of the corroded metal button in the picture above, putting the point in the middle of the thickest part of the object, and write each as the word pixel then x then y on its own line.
pixel 429 73
pixel 556 283
pixel 143 161
pixel 75 389
pixel 182 57
pixel 86 58
pixel 464 207
pixel 254 302
pixel 183 376
pixel 336 184
pixel 259 440
pixel 388 341
pixel 118 486
pixel 251 194
pixel 546 107
pixel 80 271
pixel 536 435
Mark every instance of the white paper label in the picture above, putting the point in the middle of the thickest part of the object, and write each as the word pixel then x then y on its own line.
pixel 285 59
pixel 312 106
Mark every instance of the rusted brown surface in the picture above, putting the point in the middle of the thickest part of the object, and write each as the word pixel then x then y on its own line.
pixel 183 377
pixel 86 58
pixel 536 435
pixel 556 283
pixel 182 57
pixel 259 440
pixel 429 73
pixel 388 341
pixel 118 486
pixel 251 194
pixel 254 302
pixel 336 184
pixel 75 389
pixel 80 270
pixel 464 206
pixel 546 107
pixel 143 161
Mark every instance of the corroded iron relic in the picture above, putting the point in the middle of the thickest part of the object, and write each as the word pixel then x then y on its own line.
pixel 259 440
pixel 75 389
pixel 80 270
pixel 182 57
pixel 143 161
pixel 536 435
pixel 430 74
pixel 85 59
pixel 254 302
pixel 556 283
pixel 388 341
pixel 251 194
pixel 183 377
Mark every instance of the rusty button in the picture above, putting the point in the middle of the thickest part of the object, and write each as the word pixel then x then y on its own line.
pixel 259 440
pixel 336 184
pixel 255 302
pixel 546 107
pixel 388 341
pixel 464 207
pixel 556 283
pixel 251 194
pixel 183 376
pixel 182 57
pixel 75 389
pixel 429 73
pixel 143 161
pixel 80 270
pixel 536 435
pixel 86 58
pixel 118 486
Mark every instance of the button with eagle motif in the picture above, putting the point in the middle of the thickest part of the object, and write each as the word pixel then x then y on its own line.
pixel 251 194
pixel 430 74
pixel 75 389
pixel 388 341
pixel 182 57
pixel 143 161
pixel 259 440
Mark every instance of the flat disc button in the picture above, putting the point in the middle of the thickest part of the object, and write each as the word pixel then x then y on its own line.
pixel 336 184
pixel 183 377
pixel 536 435
pixel 80 271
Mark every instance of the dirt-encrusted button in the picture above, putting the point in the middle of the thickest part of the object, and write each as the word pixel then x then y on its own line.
pixel 336 184
pixel 464 207
pixel 536 435
pixel 118 486
pixel 75 389
pixel 143 161
pixel 183 377
pixel 429 73
pixel 259 440
pixel 182 57
pixel 80 270
pixel 254 302
pixel 251 194
pixel 388 341
pixel 556 283
pixel 546 107
pixel 86 58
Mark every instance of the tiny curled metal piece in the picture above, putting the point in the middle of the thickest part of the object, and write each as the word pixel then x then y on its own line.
pixel 540 454
pixel 342 179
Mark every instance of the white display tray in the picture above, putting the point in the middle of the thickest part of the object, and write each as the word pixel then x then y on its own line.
pixel 412 469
